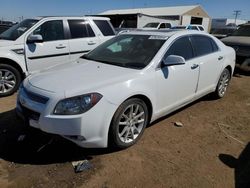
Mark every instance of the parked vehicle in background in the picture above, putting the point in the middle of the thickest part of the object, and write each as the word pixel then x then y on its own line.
pixel 157 25
pixel 4 27
pixel 222 32
pixel 40 43
pixel 189 27
pixel 112 93
pixel 240 41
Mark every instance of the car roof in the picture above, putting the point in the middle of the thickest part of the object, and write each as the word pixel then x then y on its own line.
pixel 73 17
pixel 166 33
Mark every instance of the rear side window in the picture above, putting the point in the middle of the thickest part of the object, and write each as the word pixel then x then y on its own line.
pixel 104 27
pixel 202 45
pixel 162 26
pixel 201 28
pixel 80 29
pixel 181 47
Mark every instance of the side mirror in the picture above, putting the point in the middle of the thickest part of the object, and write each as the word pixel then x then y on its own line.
pixel 173 60
pixel 35 39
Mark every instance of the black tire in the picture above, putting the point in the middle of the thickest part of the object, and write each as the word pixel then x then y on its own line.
pixel 114 139
pixel 245 66
pixel 224 75
pixel 17 76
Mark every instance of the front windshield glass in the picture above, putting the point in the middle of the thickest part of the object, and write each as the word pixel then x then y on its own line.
pixel 243 31
pixel 151 25
pixel 17 30
pixel 130 51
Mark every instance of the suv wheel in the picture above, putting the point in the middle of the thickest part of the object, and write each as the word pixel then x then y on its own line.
pixel 10 79
pixel 128 123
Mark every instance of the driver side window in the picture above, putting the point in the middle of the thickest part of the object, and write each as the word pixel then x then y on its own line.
pixel 51 30
pixel 181 47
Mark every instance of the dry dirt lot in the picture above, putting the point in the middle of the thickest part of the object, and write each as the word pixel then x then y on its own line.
pixel 212 149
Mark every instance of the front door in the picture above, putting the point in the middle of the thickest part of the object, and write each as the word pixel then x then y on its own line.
pixel 52 51
pixel 177 84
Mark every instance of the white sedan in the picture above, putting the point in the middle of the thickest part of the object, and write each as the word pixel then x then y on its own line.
pixel 111 94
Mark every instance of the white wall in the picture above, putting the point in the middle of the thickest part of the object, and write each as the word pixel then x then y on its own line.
pixel 205 23
pixel 238 22
pixel 186 20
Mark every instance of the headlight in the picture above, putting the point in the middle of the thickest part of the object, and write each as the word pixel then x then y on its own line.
pixel 77 105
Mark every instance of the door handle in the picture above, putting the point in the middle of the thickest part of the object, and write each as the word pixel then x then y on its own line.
pixel 220 58
pixel 194 66
pixel 60 46
pixel 91 43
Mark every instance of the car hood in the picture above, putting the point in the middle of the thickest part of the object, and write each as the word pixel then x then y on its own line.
pixel 4 43
pixel 236 40
pixel 80 77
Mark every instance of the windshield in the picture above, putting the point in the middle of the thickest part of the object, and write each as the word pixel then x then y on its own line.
pixel 243 31
pixel 17 30
pixel 130 51
pixel 151 25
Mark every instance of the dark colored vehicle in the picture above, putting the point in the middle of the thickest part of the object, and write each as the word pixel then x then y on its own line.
pixel 240 41
pixel 222 32
pixel 4 27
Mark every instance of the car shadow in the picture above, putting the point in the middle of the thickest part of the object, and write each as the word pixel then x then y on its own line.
pixel 23 144
pixel 241 167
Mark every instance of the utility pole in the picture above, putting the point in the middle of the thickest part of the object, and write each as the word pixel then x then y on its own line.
pixel 236 13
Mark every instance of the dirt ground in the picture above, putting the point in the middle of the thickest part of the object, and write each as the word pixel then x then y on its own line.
pixel 212 149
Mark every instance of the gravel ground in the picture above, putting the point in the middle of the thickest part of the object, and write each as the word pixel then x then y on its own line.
pixel 212 149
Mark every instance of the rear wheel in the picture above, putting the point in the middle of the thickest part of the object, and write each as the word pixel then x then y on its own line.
pixel 128 123
pixel 10 79
pixel 222 84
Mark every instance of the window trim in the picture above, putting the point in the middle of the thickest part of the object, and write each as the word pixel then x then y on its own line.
pixel 158 67
pixel 210 39
pixel 86 22
pixel 109 23
pixel 64 30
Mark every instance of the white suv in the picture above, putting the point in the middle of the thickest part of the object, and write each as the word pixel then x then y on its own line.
pixel 40 43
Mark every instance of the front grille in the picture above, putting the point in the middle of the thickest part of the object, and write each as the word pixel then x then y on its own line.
pixel 29 114
pixel 35 97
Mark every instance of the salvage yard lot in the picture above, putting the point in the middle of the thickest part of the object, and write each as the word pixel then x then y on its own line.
pixel 195 155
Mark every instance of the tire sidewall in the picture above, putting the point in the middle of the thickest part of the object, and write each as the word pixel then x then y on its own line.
pixel 217 88
pixel 18 79
pixel 114 138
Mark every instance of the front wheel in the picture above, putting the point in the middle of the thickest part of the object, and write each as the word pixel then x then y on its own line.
pixel 10 79
pixel 128 123
pixel 222 83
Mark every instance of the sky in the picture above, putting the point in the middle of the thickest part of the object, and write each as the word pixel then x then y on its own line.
pixel 14 10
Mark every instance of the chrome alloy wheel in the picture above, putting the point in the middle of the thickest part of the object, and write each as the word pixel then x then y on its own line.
pixel 223 83
pixel 7 80
pixel 131 123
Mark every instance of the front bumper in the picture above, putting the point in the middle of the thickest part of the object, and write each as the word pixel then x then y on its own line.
pixel 89 129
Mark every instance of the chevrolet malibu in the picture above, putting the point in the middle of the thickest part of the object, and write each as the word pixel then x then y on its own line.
pixel 111 94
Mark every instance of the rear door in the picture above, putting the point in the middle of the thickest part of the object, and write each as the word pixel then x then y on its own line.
pixel 82 38
pixel 52 51
pixel 210 60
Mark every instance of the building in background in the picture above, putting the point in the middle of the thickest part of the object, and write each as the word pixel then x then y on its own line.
pixel 179 15
pixel 223 22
